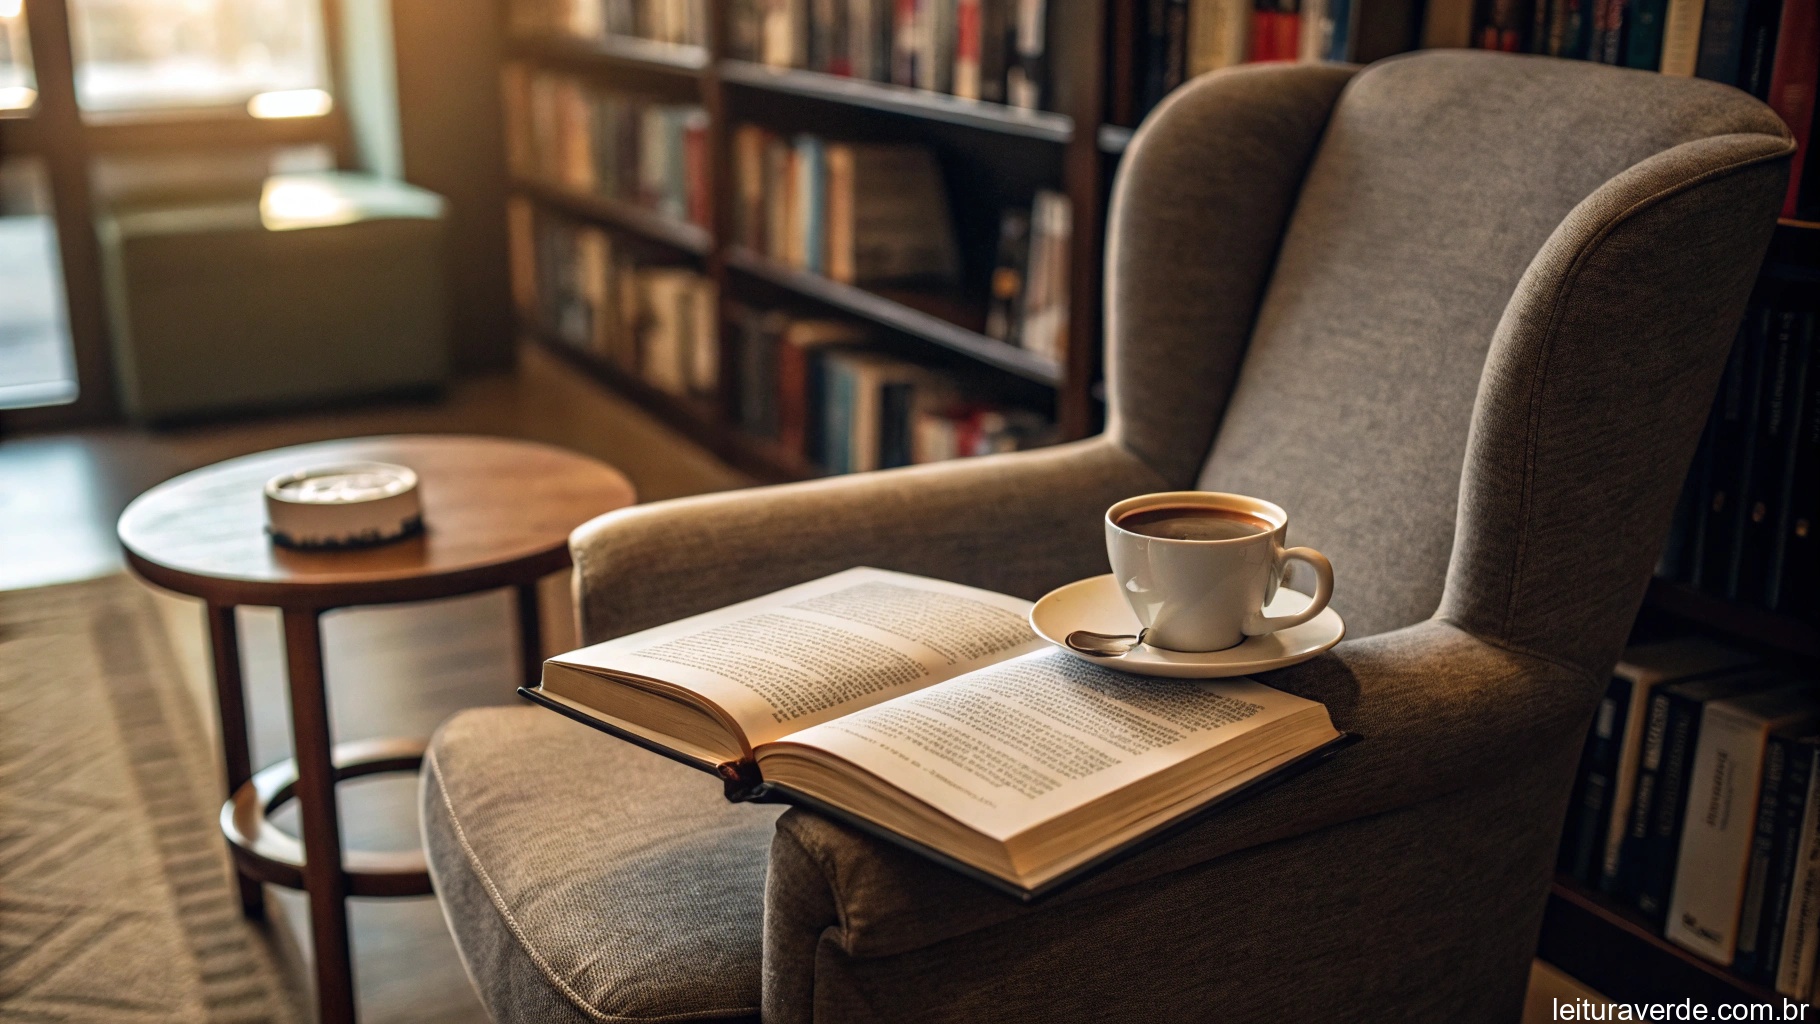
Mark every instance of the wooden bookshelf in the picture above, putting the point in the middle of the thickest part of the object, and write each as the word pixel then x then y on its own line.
pixel 1619 953
pixel 1000 142
pixel 682 235
pixel 895 99
pixel 907 313
pixel 698 419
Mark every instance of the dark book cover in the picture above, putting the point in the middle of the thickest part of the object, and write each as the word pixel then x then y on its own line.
pixel 895 402
pixel 1794 567
pixel 1722 41
pixel 1643 34
pixel 1662 850
pixel 1607 44
pixel 1008 276
pixel 1794 82
pixel 1643 804
pixel 1762 21
pixel 997 48
pixel 1735 420
pixel 1598 761
pixel 1153 61
pixel 1797 778
pixel 1539 25
pixel 1765 493
pixel 1757 886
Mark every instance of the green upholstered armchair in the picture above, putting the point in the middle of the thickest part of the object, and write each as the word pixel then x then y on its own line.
pixel 1462 313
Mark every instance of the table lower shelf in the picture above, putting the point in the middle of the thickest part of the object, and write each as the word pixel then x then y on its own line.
pixel 268 853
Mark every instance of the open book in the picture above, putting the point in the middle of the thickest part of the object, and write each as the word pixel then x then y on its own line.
pixel 929 713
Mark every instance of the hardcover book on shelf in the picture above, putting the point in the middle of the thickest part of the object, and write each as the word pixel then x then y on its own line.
pixel 1714 861
pixel 928 714
pixel 1639 736
pixel 1658 855
pixel 1787 762
pixel 1795 956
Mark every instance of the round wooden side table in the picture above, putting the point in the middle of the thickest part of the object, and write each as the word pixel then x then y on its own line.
pixel 497 513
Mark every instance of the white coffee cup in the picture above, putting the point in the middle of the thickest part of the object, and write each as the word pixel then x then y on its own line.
pixel 1200 595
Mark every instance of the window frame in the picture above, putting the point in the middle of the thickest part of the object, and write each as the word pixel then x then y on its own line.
pixel 65 141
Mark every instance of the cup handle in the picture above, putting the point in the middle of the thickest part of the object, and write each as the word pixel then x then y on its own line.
pixel 1323 592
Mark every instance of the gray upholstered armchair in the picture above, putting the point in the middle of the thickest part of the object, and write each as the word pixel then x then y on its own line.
pixel 1462 314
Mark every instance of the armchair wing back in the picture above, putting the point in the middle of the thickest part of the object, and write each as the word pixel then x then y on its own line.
pixel 1453 308
pixel 1461 313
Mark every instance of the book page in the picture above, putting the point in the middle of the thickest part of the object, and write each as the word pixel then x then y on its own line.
pixel 1012 745
pixel 814 652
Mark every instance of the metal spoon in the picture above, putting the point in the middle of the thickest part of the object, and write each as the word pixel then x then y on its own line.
pixel 1104 645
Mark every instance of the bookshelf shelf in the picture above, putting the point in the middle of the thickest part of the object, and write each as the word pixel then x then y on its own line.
pixel 696 418
pixel 899 316
pixel 622 52
pixel 1781 632
pixel 895 99
pixel 1114 138
pixel 690 238
pixel 1619 954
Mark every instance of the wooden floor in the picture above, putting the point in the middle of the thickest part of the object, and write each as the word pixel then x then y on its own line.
pixel 393 671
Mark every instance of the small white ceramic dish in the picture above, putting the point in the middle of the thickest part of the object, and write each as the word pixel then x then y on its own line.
pixel 1095 604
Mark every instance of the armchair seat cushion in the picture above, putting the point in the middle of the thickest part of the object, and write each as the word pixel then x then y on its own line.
pixel 588 880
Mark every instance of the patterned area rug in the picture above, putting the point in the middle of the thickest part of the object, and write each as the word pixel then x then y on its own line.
pixel 116 903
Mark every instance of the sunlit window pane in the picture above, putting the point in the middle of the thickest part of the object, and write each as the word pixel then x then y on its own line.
pixel 146 54
pixel 16 82
pixel 36 367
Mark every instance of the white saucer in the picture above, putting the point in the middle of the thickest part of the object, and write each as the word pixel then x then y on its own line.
pixel 1096 604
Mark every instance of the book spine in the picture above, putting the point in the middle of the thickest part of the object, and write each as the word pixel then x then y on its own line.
pixel 1794 585
pixel 1657 867
pixel 1731 459
pixel 967 49
pixel 1757 885
pixel 1721 41
pixel 792 398
pixel 1344 14
pixel 1762 24
pixel 1026 78
pixel 1716 838
pixel 1643 803
pixel 1795 969
pixel 995 48
pixel 1793 83
pixel 1681 37
pixel 1643 35
pixel 1598 758
pixel 1798 760
pixel 1764 494
pixel 895 404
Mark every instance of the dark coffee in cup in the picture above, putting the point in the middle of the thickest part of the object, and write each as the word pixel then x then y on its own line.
pixel 1193 522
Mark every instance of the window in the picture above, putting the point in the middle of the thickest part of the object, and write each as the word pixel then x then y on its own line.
pixel 164 54
pixel 17 92
pixel 36 366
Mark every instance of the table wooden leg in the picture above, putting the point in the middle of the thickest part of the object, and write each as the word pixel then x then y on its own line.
pixel 322 870
pixel 230 706
pixel 530 633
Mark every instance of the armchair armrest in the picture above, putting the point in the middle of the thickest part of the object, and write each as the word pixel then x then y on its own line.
pixel 1441 711
pixel 1021 523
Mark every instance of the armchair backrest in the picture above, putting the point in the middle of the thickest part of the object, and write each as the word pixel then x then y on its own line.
pixel 1460 312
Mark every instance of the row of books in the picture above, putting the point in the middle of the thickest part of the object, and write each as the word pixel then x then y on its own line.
pixel 1768 48
pixel 992 50
pixel 679 22
pixel 565 131
pixel 860 213
pixel 821 389
pixel 1029 306
pixel 655 322
pixel 1698 803
pixel 1748 524
pixel 1179 39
